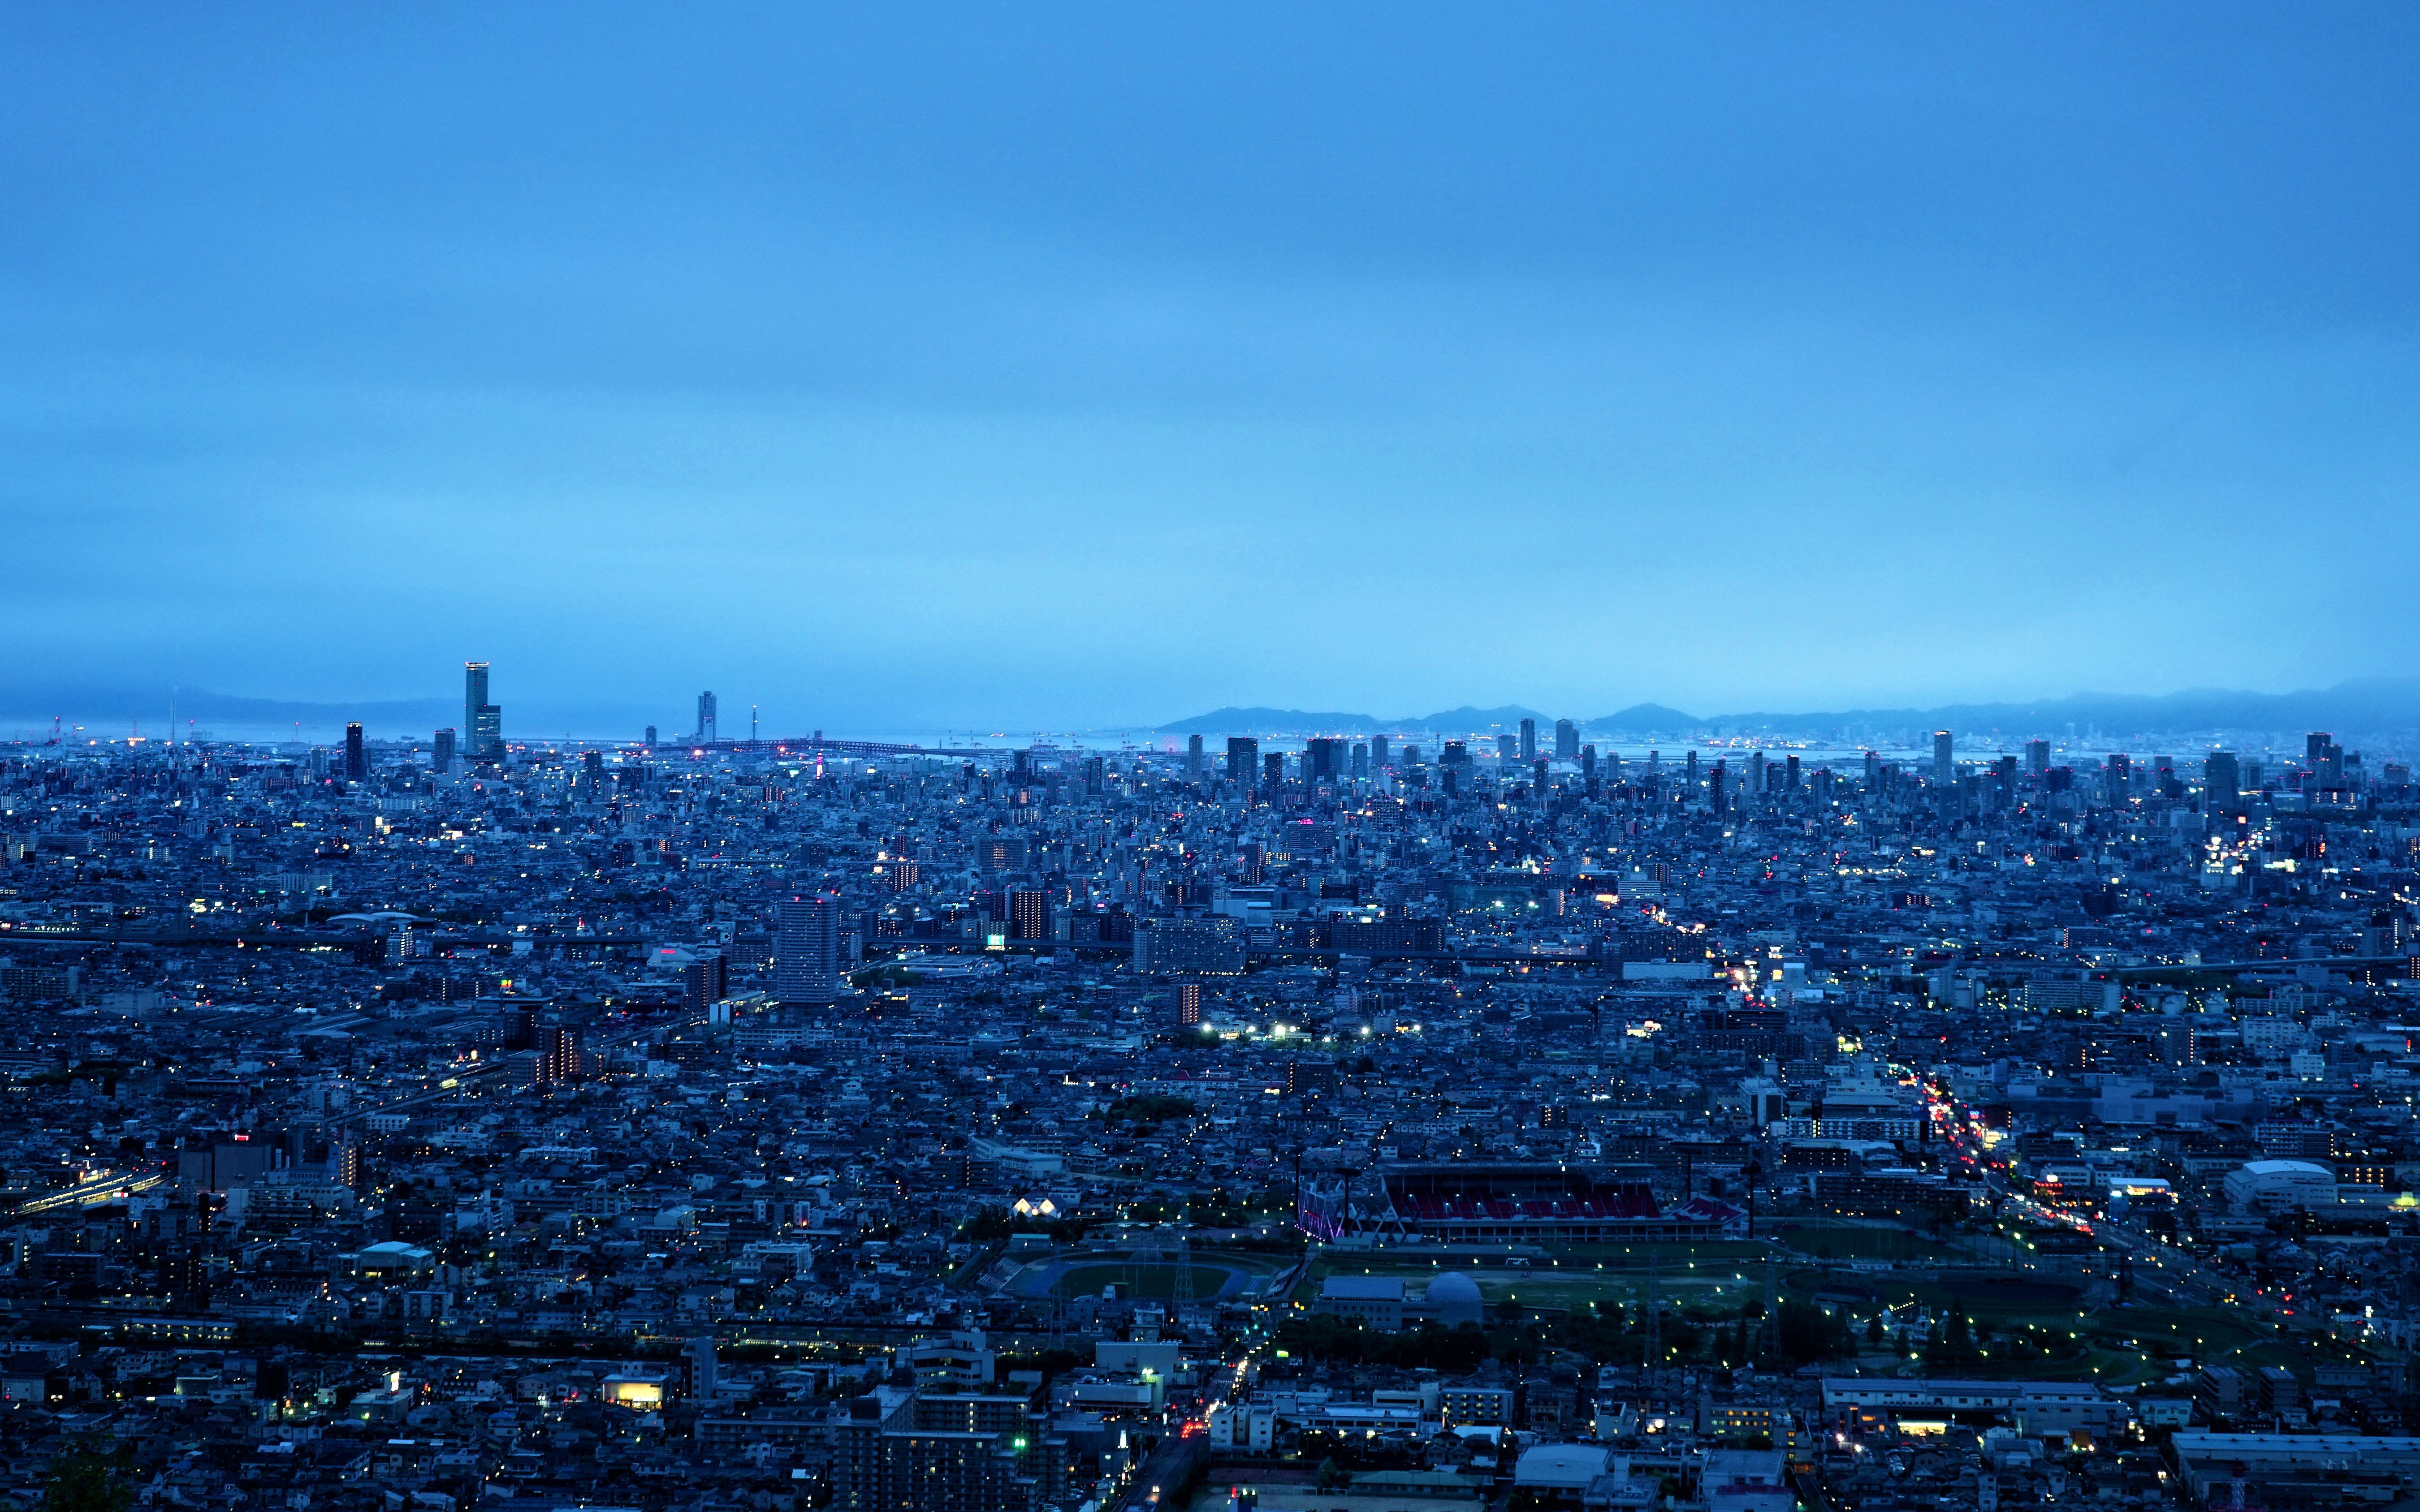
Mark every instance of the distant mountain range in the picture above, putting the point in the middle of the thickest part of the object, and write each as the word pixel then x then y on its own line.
pixel 2375 705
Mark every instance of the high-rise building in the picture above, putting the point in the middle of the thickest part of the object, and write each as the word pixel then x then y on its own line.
pixel 705 731
pixel 651 737
pixel 1360 759
pixel 1029 914
pixel 806 950
pixel 705 981
pixel 357 758
pixel 1273 772
pixel 1507 748
pixel 1188 1004
pixel 2222 783
pixel 481 717
pixel 1243 760
pixel 1588 761
pixel 1320 761
pixel 441 757
pixel 1945 757
pixel 559 1060
pixel 474 693
pixel 1379 753
pixel 1567 740
pixel 1529 740
pixel 1715 797
pixel 1193 756
pixel 487 733
pixel 2037 757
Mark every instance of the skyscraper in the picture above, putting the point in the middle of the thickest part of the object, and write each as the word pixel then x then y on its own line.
pixel 1273 772
pixel 1243 760
pixel 705 716
pixel 1320 760
pixel 2036 756
pixel 2222 784
pixel 484 719
pixel 1378 752
pixel 1567 740
pixel 441 757
pixel 806 950
pixel 1193 756
pixel 1945 759
pixel 1529 740
pixel 474 693
pixel 357 759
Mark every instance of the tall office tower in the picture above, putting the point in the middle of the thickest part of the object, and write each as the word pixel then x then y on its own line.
pixel 1029 914
pixel 1507 747
pixel 1715 798
pixel 705 981
pixel 1377 753
pixel 1873 769
pixel 2221 782
pixel 1243 760
pixel 357 759
pixel 441 758
pixel 1193 756
pixel 1097 775
pixel 2314 747
pixel 1411 757
pixel 1538 778
pixel 705 716
pixel 1790 775
pixel 475 695
pixel 1689 778
pixel 1360 759
pixel 806 950
pixel 1755 783
pixel 1567 740
pixel 2036 756
pixel 1529 740
pixel 1588 761
pixel 1273 771
pixel 1945 757
pixel 1320 760
pixel 651 737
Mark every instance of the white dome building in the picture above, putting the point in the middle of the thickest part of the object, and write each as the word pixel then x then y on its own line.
pixel 1452 1298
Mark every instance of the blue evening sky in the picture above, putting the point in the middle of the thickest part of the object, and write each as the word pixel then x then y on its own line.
pixel 898 366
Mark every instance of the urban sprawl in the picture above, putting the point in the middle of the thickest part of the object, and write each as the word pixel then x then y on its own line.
pixel 467 1123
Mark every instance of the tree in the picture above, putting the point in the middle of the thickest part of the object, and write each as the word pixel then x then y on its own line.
pixel 87 1479
pixel 1332 1476
pixel 1875 1331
